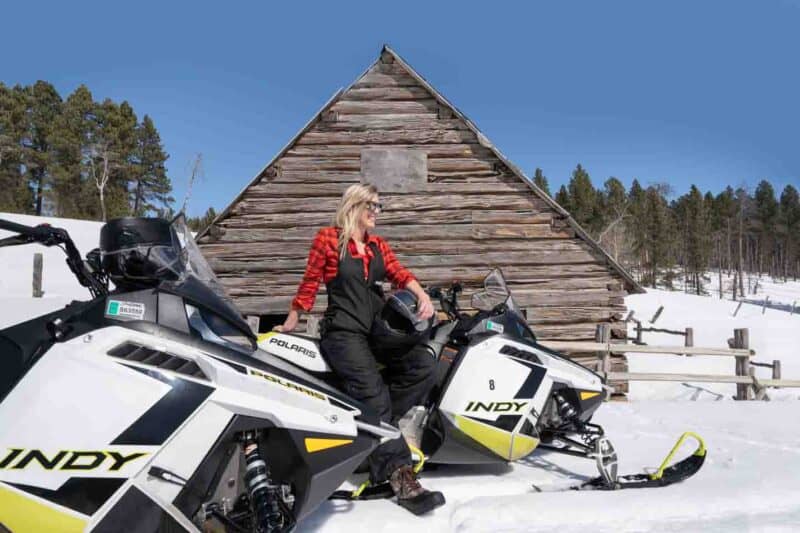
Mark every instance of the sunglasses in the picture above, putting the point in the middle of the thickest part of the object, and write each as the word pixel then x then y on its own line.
pixel 375 207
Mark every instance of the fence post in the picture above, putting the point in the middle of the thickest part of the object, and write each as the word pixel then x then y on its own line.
pixel 764 306
pixel 689 337
pixel 776 369
pixel 741 340
pixel 638 332
pixel 603 335
pixel 37 275
pixel 658 314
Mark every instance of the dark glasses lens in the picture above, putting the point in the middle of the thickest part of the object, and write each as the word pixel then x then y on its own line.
pixel 375 207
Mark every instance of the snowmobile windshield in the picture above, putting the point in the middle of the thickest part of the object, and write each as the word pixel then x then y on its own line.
pixel 495 292
pixel 181 269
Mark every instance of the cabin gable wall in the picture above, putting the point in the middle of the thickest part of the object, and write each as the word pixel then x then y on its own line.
pixel 459 215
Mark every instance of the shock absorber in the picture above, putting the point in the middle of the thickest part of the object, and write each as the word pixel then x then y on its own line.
pixel 266 508
pixel 565 410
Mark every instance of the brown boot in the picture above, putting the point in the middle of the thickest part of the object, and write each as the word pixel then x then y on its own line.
pixel 410 493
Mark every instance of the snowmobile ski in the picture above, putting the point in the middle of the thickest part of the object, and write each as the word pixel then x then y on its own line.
pixel 665 475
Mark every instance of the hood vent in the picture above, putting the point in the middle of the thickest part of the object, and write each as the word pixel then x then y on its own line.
pixel 131 351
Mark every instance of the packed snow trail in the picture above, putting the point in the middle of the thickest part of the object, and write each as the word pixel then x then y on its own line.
pixel 748 483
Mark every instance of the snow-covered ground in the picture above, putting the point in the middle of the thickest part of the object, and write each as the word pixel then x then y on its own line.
pixel 749 482
pixel 774 334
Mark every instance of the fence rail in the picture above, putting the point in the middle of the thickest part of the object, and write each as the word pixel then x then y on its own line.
pixel 579 346
pixel 748 386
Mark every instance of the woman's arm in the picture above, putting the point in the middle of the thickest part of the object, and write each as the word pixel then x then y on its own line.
pixel 307 291
pixel 403 278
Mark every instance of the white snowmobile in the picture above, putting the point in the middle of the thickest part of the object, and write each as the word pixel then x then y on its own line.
pixel 150 407
pixel 499 394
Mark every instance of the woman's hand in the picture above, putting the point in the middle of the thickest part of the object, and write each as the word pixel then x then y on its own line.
pixel 290 323
pixel 425 307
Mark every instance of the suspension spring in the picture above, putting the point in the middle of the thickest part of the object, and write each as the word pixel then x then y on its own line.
pixel 268 515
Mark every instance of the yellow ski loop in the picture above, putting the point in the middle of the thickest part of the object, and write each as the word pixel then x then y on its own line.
pixel 417 469
pixel 700 451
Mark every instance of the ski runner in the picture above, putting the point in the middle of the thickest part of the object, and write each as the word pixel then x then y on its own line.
pixel 353 263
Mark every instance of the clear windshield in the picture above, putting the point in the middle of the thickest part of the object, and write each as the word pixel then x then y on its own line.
pixel 495 292
pixel 182 269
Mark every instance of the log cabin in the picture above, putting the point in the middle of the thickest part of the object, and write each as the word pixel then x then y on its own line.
pixel 454 207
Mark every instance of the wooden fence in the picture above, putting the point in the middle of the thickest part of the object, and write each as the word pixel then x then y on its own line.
pixel 748 386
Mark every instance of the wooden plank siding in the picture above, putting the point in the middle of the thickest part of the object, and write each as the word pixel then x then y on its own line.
pixel 473 214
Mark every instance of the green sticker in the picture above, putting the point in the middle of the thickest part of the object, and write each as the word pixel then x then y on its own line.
pixel 134 310
pixel 494 326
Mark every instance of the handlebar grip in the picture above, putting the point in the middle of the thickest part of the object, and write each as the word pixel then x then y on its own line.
pixel 17 228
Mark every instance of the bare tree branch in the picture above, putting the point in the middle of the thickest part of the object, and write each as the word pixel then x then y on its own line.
pixel 197 171
pixel 101 181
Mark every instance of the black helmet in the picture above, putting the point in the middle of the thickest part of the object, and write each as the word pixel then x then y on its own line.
pixel 398 324
pixel 139 252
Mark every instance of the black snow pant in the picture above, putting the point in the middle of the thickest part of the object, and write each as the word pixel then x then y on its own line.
pixel 409 373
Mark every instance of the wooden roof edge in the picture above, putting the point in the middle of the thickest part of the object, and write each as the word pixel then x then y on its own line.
pixel 633 285
pixel 332 100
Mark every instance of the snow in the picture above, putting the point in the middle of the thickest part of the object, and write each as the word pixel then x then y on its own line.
pixel 749 481
pixel 774 334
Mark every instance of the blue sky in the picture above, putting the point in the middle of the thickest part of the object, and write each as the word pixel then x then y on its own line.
pixel 677 91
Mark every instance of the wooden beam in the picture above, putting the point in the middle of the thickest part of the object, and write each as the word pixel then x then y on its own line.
pixel 664 350
pixel 700 378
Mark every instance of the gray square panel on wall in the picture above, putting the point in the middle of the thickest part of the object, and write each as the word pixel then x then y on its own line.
pixel 394 169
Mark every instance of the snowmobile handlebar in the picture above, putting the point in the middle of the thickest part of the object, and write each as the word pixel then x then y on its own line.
pixel 48 235
pixel 448 298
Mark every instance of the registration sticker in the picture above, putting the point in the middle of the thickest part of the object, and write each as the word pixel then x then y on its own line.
pixel 494 326
pixel 133 310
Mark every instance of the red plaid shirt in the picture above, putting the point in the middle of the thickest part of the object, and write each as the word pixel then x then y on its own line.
pixel 323 264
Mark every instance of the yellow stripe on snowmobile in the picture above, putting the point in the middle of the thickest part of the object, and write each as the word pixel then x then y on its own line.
pixel 587 395
pixel 317 445
pixel 22 514
pixel 265 336
pixel 700 451
pixel 501 442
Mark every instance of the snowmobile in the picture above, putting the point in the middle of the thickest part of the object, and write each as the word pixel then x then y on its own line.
pixel 150 407
pixel 499 394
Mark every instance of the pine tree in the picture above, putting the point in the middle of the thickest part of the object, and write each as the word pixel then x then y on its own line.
pixel 583 200
pixel 656 233
pixel 767 217
pixel 540 181
pixel 636 236
pixel 151 188
pixel 14 192
pixel 73 196
pixel 44 106
pixel 562 198
pixel 613 207
pixel 200 223
pixel 725 209
pixel 790 217
pixel 698 243
pixel 112 145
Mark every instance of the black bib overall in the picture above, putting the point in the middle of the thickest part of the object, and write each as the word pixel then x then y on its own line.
pixel 353 303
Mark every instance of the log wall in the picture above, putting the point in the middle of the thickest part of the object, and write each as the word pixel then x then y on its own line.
pixel 473 214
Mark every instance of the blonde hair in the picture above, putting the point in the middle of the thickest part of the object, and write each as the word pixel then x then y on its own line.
pixel 350 208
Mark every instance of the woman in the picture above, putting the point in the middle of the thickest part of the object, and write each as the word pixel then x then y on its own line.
pixel 352 262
